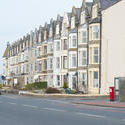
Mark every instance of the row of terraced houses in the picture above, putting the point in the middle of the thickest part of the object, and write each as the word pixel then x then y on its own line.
pixel 81 48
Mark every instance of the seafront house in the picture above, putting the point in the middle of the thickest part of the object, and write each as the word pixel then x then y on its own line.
pixel 64 47
pixel 50 59
pixel 44 52
pixel 94 49
pixel 57 54
pixel 83 31
pixel 38 76
pixel 82 48
pixel 73 49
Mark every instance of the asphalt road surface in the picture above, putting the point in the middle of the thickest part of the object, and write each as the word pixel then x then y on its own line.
pixel 21 110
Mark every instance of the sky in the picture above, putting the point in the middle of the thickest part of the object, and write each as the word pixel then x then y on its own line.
pixel 18 17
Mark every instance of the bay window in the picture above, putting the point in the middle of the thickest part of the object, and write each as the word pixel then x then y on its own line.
pixel 84 57
pixel 74 41
pixel 84 37
pixel 74 60
pixel 65 62
pixel 95 32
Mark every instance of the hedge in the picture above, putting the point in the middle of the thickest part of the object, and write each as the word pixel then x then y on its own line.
pixel 36 86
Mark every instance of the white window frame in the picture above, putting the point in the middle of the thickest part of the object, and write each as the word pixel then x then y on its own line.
pixel 95 55
pixel 84 37
pixel 84 57
pixel 94 11
pixel 83 17
pixel 95 32
pixel 74 41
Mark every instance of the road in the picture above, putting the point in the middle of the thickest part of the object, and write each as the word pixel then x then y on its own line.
pixel 21 110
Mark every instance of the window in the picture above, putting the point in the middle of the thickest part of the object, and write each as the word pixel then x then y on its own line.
pixel 57 46
pixel 65 62
pixel 40 66
pixel 74 41
pixel 51 48
pixel 82 17
pixel 84 78
pixel 65 45
pixel 35 66
pixel 84 58
pixel 74 60
pixel 96 81
pixel 96 55
pixel 58 62
pixel 94 11
pixel 95 32
pixel 45 64
pixel 58 80
pixel 84 37
pixel 45 49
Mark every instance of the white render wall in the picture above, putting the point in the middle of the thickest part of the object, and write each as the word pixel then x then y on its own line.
pixel 113 45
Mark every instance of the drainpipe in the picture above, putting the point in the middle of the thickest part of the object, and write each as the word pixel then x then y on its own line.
pixel 77 26
pixel 100 60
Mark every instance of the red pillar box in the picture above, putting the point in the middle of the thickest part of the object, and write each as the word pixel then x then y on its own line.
pixel 112 93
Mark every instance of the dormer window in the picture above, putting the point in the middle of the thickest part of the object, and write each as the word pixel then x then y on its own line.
pixel 72 22
pixel 83 17
pixel 57 29
pixel 94 11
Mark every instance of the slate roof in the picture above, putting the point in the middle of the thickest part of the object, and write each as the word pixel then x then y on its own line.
pixel 104 4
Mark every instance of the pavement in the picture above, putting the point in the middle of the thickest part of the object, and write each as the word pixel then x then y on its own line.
pixel 24 110
pixel 103 103
pixel 86 99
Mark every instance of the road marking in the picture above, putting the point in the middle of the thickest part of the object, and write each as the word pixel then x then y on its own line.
pixel 90 115
pixel 55 101
pixel 31 106
pixel 12 103
pixel 52 109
